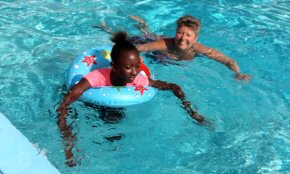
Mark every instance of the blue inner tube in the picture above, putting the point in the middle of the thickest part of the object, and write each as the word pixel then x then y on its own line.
pixel 110 96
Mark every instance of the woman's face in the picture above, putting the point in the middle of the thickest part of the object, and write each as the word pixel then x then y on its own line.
pixel 128 66
pixel 185 38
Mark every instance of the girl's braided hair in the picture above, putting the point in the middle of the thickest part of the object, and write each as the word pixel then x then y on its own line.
pixel 121 44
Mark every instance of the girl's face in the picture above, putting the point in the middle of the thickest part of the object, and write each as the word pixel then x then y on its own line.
pixel 185 38
pixel 128 66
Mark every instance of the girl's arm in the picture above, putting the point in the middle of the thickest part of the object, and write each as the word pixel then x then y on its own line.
pixel 178 93
pixel 69 139
pixel 220 57
pixel 66 130
pixel 73 95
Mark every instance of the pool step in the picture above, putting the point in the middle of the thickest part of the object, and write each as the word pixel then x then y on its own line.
pixel 18 155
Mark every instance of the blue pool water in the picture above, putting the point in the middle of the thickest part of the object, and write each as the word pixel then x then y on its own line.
pixel 39 39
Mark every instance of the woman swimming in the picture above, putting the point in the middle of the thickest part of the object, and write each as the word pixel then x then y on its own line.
pixel 183 46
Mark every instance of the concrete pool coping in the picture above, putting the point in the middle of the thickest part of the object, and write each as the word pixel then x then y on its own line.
pixel 18 155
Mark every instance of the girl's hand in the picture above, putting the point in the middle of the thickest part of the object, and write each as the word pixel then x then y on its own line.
pixel 193 113
pixel 201 120
pixel 197 117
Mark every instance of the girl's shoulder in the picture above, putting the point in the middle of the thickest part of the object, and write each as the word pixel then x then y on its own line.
pixel 99 77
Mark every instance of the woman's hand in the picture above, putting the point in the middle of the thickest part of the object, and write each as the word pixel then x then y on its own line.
pixel 245 77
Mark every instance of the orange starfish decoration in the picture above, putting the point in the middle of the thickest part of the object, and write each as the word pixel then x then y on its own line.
pixel 90 60
pixel 141 89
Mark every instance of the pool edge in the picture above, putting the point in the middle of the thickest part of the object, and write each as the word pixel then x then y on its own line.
pixel 18 155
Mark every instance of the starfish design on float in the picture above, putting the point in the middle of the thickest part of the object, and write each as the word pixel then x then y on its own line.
pixel 141 89
pixel 90 60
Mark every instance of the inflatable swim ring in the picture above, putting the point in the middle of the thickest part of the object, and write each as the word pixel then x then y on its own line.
pixel 110 96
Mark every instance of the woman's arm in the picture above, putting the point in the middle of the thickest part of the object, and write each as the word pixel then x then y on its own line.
pixel 220 57
pixel 73 95
pixel 178 93
pixel 159 45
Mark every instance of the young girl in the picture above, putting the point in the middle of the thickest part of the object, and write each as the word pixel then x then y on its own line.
pixel 125 67
pixel 124 72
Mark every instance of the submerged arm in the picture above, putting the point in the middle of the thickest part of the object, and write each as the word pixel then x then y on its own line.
pixel 142 26
pixel 68 137
pixel 69 140
pixel 73 95
pixel 178 93
pixel 222 58
pixel 104 28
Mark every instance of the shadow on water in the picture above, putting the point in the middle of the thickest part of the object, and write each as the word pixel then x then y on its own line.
pixel 70 138
pixel 107 114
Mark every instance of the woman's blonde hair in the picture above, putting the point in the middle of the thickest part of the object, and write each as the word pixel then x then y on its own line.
pixel 189 21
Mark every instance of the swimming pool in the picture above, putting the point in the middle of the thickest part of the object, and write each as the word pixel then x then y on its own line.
pixel 40 39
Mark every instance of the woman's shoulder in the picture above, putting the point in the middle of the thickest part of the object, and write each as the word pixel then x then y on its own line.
pixel 200 48
pixel 169 42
